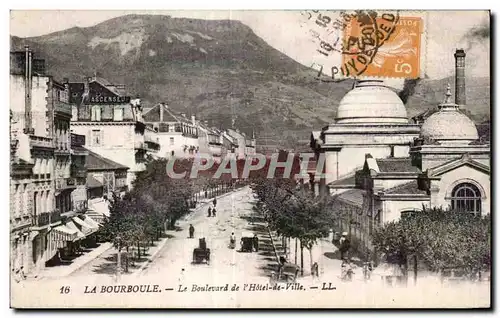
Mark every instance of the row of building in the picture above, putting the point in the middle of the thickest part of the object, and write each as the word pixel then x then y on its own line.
pixel 73 145
pixel 381 166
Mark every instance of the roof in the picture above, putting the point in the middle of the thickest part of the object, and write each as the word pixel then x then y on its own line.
pixel 153 115
pixel 370 101
pixel 351 200
pixel 406 188
pixel 354 196
pixel 98 162
pixel 396 165
pixel 347 181
pixel 93 182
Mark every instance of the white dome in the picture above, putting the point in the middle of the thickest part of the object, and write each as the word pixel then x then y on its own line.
pixel 371 102
pixel 449 125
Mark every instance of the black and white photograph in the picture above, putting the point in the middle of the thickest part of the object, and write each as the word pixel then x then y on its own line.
pixel 250 159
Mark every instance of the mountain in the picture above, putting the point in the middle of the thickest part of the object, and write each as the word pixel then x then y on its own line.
pixel 429 93
pixel 215 69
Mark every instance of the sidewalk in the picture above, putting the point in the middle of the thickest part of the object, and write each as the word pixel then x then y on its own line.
pixel 82 260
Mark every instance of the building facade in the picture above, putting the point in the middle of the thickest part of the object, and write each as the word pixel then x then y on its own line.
pixel 446 166
pixel 371 118
pixel 244 145
pixel 112 124
pixel 40 112
pixel 177 135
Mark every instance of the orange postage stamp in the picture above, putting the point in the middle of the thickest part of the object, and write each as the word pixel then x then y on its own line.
pixel 383 46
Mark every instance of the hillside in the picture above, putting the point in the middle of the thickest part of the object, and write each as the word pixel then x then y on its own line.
pixel 213 69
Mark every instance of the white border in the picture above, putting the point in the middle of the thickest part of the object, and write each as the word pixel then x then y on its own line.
pixel 190 4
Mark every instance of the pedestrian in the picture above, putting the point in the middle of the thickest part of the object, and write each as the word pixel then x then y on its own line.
pixel 191 231
pixel 206 194
pixel 215 202
pixel 344 246
pixel 209 211
pixel 255 242
pixel 315 270
pixel 213 212
pixel 346 270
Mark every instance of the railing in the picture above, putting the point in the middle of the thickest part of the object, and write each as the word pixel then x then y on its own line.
pixel 62 146
pixel 47 218
pixel 63 108
pixel 41 142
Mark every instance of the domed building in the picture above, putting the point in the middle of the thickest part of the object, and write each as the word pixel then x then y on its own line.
pixel 446 167
pixel 371 118
pixel 379 168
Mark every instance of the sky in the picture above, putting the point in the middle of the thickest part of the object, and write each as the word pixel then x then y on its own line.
pixel 445 31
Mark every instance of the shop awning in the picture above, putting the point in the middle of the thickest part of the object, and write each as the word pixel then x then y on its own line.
pixel 96 216
pixel 99 205
pixel 62 234
pixel 85 228
pixel 91 222
pixel 73 226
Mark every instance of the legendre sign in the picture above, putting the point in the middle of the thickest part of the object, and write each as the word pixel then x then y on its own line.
pixel 108 99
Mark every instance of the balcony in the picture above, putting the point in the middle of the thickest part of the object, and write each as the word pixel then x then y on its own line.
pixel 78 171
pixel 47 218
pixel 62 148
pixel 65 183
pixel 62 108
pixel 41 142
pixel 13 145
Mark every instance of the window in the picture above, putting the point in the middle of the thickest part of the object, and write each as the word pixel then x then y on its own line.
pixel 118 114
pixel 171 141
pixel 466 197
pixel 96 137
pixel 96 113
pixel 407 213
pixel 172 153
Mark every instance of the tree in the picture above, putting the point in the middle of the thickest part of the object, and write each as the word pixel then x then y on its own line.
pixel 439 238
pixel 293 212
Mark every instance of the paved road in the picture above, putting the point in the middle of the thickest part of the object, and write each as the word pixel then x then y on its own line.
pixel 234 212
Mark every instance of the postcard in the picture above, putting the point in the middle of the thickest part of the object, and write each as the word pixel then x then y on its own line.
pixel 250 159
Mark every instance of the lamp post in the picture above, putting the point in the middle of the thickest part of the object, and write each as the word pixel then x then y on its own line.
pixel 119 259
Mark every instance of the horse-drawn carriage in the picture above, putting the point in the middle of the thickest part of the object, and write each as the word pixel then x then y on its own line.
pixel 287 272
pixel 248 242
pixel 201 253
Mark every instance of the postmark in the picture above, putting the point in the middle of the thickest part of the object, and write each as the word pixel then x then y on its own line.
pixel 365 43
pixel 391 49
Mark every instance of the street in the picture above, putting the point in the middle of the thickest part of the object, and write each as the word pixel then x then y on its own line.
pixel 229 268
pixel 234 212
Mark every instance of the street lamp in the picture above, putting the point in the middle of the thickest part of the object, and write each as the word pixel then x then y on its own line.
pixel 119 259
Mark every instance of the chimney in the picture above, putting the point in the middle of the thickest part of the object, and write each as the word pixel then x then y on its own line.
pixel 193 120
pixel 460 77
pixel 86 88
pixel 161 111
pixel 28 90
